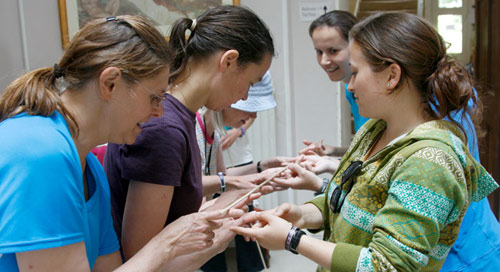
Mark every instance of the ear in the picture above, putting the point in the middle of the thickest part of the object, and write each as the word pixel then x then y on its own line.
pixel 228 60
pixel 394 76
pixel 108 80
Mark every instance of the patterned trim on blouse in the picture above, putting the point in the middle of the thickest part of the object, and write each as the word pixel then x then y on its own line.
pixel 485 185
pixel 458 147
pixel 439 252
pixel 357 217
pixel 423 201
pixel 414 254
pixel 365 261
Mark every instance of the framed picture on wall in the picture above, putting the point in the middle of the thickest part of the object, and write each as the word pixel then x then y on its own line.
pixel 74 13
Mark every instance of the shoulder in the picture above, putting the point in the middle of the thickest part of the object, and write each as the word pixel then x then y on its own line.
pixel 30 138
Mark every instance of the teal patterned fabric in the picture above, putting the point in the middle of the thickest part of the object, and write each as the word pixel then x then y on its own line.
pixel 408 200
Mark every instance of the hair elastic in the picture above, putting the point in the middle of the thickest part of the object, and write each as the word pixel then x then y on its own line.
pixel 58 72
pixel 193 25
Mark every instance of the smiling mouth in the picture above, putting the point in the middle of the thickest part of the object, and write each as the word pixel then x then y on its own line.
pixel 329 70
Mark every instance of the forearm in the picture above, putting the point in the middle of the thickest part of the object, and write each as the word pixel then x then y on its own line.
pixel 248 123
pixel 151 257
pixel 311 217
pixel 335 151
pixel 211 185
pixel 189 262
pixel 242 170
pixel 316 250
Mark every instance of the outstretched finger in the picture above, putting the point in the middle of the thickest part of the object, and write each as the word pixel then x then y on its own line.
pixel 247 232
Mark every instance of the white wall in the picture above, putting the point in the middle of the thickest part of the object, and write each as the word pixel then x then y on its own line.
pixel 30 37
pixel 309 105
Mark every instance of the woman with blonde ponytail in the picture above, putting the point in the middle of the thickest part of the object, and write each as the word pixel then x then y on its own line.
pixel 55 212
pixel 401 191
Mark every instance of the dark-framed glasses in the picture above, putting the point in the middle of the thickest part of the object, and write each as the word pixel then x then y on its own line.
pixel 337 199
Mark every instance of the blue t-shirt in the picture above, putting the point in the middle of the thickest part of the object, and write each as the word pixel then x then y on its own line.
pixel 42 203
pixel 477 247
pixel 358 119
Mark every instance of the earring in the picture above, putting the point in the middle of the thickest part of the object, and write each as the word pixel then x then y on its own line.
pixel 388 85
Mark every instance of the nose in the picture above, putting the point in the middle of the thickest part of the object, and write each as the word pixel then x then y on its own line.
pixel 246 95
pixel 324 59
pixel 157 111
pixel 350 86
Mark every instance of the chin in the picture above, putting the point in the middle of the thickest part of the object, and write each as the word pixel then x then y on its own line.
pixel 334 77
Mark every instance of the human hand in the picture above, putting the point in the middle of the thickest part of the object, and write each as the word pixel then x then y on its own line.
pixel 249 182
pixel 229 197
pixel 313 148
pixel 290 212
pixel 276 162
pixel 268 173
pixel 223 235
pixel 271 234
pixel 299 178
pixel 228 139
pixel 192 232
pixel 319 164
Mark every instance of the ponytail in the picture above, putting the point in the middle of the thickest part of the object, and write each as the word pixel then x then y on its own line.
pixel 219 29
pixel 178 42
pixel 449 89
pixel 129 43
pixel 36 94
pixel 444 85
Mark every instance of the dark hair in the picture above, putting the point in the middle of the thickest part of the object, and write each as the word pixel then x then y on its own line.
pixel 340 19
pixel 220 28
pixel 412 43
pixel 130 43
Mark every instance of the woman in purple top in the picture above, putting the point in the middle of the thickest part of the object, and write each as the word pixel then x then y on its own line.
pixel 219 55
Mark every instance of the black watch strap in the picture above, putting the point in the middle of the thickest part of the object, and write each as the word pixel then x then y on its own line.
pixel 323 187
pixel 295 240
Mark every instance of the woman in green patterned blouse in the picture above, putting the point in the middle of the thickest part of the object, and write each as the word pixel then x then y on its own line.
pixel 401 191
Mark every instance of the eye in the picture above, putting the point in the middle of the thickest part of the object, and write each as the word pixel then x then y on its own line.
pixel 319 52
pixel 157 99
pixel 333 51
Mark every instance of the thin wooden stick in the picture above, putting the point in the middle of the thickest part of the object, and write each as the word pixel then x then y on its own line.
pixel 261 255
pixel 253 190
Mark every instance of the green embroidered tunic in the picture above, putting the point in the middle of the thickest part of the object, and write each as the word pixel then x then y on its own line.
pixel 407 202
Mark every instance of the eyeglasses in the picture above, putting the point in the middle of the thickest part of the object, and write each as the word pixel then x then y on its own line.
pixel 337 200
pixel 156 99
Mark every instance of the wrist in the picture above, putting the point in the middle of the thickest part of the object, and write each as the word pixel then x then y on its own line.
pixel 259 167
pixel 222 181
pixel 293 239
pixel 322 189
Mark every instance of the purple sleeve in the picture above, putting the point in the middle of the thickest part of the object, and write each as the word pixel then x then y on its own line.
pixel 158 156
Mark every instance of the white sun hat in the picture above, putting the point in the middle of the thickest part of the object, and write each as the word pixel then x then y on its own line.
pixel 260 96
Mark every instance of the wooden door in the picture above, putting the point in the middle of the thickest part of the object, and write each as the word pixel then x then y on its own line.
pixel 487 72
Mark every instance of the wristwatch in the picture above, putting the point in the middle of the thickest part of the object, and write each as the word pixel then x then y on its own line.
pixel 222 182
pixel 293 239
pixel 323 187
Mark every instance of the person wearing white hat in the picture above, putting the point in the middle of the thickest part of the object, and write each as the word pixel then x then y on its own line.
pixel 235 143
